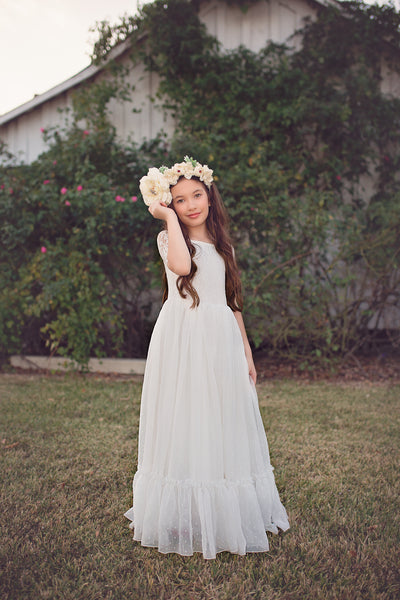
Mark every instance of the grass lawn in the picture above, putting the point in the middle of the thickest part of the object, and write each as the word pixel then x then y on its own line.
pixel 68 454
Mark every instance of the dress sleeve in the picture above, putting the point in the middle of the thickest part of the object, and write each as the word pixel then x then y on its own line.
pixel 162 243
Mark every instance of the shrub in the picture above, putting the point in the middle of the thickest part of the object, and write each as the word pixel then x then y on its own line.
pixel 77 250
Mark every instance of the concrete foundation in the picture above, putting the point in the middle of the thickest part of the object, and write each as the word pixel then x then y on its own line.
pixel 122 366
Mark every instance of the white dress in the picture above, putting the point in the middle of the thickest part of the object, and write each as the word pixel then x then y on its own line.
pixel 204 481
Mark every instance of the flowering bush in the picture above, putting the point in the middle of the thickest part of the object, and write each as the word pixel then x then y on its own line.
pixel 77 260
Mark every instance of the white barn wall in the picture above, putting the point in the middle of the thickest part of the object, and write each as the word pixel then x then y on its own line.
pixel 149 121
pixel 274 21
pixel 390 81
pixel 23 134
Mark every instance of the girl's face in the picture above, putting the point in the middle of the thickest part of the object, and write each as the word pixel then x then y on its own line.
pixel 190 202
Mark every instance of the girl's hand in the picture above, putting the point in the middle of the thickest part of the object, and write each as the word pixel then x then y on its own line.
pixel 247 350
pixel 251 366
pixel 159 210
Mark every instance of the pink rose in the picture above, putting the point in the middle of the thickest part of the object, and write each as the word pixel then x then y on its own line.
pixel 134 198
pixel 119 199
pixel 338 178
pixel 43 249
pixel 11 191
pixel 2 186
pixel 67 203
pixel 42 129
pixel 64 190
pixel 86 132
pixel 46 181
pixel 79 188
pixel 54 162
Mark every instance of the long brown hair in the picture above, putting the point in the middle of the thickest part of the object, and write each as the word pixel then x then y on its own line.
pixel 217 226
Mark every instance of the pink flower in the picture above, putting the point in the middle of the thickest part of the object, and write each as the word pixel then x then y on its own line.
pixel 43 249
pixel 338 178
pixel 134 198
pixel 386 158
pixel 46 181
pixel 86 132
pixel 67 203
pixel 11 191
pixel 2 186
pixel 119 199
pixel 42 129
pixel 64 190
pixel 54 162
pixel 79 188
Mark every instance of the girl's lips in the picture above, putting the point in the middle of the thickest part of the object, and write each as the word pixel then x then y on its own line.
pixel 193 216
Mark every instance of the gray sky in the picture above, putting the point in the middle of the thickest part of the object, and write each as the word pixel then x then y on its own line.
pixel 44 42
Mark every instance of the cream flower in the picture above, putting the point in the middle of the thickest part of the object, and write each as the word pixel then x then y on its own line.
pixel 186 168
pixel 204 174
pixel 171 176
pixel 155 187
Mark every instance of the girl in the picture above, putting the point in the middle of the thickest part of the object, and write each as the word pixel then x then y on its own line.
pixel 204 481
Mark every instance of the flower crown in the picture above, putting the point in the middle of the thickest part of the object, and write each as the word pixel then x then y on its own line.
pixel 155 185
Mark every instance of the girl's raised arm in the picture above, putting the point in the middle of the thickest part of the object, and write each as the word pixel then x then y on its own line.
pixel 178 257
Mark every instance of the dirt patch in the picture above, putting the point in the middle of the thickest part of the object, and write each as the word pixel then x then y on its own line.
pixel 355 368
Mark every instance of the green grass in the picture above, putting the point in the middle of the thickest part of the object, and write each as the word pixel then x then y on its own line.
pixel 68 455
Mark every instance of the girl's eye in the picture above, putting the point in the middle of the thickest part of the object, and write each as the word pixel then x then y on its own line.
pixel 198 195
pixel 179 201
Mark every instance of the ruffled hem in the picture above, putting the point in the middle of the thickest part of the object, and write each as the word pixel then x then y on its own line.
pixel 187 516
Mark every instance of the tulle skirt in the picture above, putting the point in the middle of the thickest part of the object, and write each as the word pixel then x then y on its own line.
pixel 204 481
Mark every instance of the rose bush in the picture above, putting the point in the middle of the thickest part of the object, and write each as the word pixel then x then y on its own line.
pixel 77 274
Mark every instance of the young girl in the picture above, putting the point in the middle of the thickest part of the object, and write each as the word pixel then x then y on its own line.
pixel 204 481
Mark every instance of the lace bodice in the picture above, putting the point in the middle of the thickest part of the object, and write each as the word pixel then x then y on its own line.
pixel 209 280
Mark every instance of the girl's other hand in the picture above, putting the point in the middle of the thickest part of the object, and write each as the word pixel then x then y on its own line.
pixel 251 366
pixel 159 210
pixel 253 373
